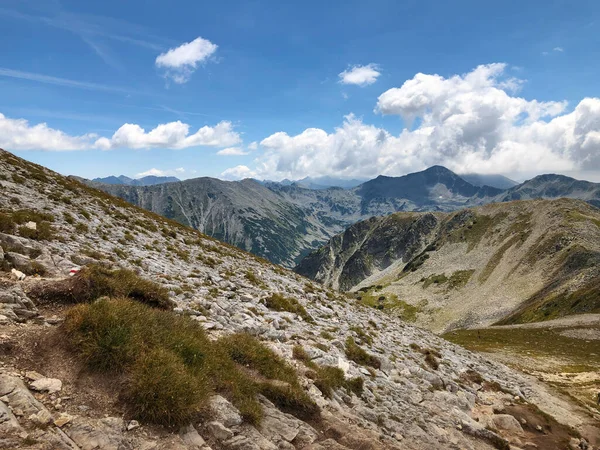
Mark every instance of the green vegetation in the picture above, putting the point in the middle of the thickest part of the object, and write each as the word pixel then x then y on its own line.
pixel 171 367
pixel 357 354
pixel 390 303
pixel 582 301
pixel 95 281
pixel 530 342
pixel 278 302
pixel 328 378
pixel 434 279
pixel 43 232
pixel 457 280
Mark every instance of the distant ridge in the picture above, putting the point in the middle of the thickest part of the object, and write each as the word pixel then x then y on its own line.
pixel 149 180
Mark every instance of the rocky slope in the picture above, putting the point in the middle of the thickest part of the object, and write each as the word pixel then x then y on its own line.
pixel 284 222
pixel 506 262
pixel 424 392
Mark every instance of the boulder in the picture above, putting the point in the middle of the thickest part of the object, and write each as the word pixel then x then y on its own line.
pixel 50 385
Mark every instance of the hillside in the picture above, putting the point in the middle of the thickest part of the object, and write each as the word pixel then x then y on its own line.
pixel 324 371
pixel 284 222
pixel 507 262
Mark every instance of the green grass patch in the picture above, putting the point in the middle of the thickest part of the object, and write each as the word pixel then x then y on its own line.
pixel 279 302
pixel 171 368
pixel 531 342
pixel 357 354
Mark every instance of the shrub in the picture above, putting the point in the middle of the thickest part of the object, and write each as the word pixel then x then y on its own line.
pixel 357 354
pixel 171 367
pixel 328 379
pixel 278 302
pixel 161 389
pixel 95 281
pixel 43 232
pixel 7 224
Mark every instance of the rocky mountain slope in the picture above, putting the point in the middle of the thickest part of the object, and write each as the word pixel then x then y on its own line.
pixel 506 262
pixel 284 222
pixel 417 390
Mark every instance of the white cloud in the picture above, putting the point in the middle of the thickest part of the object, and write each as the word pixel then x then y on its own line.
pixel 18 134
pixel 469 123
pixel 360 75
pixel 238 173
pixel 181 62
pixel 558 49
pixel 175 135
pixel 160 173
pixel 232 151
pixel 253 146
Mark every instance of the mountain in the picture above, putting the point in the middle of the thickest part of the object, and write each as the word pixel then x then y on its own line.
pixel 327 182
pixel 505 263
pixel 305 367
pixel 553 186
pixel 149 180
pixel 497 181
pixel 284 222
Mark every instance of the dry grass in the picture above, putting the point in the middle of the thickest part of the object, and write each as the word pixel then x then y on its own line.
pixel 95 281
pixel 171 367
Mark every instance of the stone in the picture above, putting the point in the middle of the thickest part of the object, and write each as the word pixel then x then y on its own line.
pixel 41 418
pixel 506 422
pixel 31 225
pixel 218 431
pixel 62 420
pixel 191 438
pixel 225 412
pixel 132 425
pixel 50 385
pixel 32 375
pixel 18 275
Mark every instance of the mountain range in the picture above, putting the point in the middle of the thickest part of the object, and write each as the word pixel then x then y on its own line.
pixel 149 180
pixel 284 222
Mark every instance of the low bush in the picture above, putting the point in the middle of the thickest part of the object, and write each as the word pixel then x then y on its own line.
pixel 357 354
pixel 327 378
pixel 94 281
pixel 171 368
pixel 278 302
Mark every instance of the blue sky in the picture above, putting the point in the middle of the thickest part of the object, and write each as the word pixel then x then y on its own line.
pixel 273 84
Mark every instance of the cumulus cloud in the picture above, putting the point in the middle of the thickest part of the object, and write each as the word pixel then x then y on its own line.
pixel 238 173
pixel 360 75
pixel 232 151
pixel 175 135
pixel 18 134
pixel 160 173
pixel 469 123
pixel 253 145
pixel 180 62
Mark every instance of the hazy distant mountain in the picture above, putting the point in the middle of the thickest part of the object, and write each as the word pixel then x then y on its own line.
pixel 497 181
pixel 553 186
pixel 284 222
pixel 327 182
pixel 149 180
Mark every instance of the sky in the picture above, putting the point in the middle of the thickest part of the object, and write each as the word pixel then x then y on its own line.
pixel 273 90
